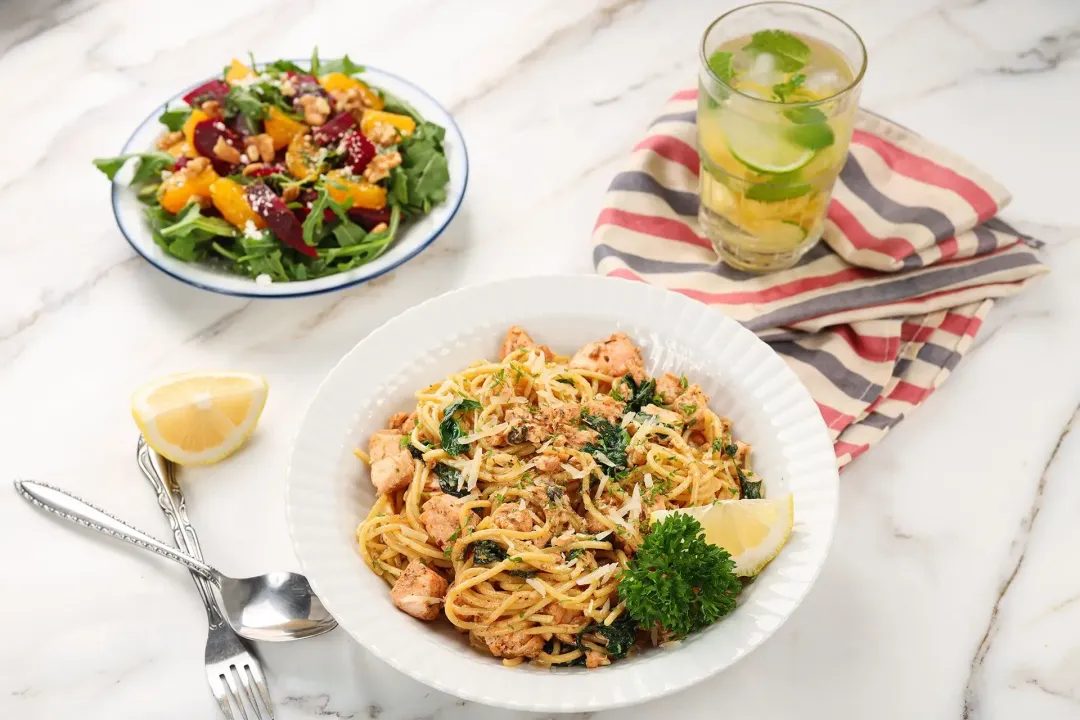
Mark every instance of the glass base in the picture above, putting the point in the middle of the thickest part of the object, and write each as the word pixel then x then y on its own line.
pixel 743 251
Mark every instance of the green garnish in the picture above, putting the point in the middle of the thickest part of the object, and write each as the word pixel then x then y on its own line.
pixel 677 580
pixel 175 118
pixel 683 382
pixel 450 430
pixel 616 394
pixel 805 115
pixel 575 553
pixel 813 136
pixel 688 409
pixel 639 395
pixel 487 552
pixel 751 489
pixel 449 479
pixel 790 52
pixel 784 89
pixel 149 166
pixel 720 63
pixel 611 444
pixel 619 635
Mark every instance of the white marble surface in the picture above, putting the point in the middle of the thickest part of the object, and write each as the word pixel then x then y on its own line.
pixel 952 590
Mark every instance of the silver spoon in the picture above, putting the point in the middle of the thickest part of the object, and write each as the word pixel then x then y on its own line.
pixel 276 606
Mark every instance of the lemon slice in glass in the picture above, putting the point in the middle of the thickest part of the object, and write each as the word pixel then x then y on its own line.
pixel 199 418
pixel 752 531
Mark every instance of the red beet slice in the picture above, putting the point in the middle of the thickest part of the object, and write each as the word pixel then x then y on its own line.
pixel 180 162
pixel 306 198
pixel 368 219
pixel 333 129
pixel 207 134
pixel 358 152
pixel 307 85
pixel 278 217
pixel 213 90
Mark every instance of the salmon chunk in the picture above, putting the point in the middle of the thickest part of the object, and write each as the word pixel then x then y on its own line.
pixel 419 591
pixel 669 387
pixel 516 338
pixel 441 518
pixel 391 464
pixel 515 645
pixel 510 516
pixel 615 356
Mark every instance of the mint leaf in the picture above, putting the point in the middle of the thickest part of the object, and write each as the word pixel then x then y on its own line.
pixel 721 65
pixel 812 137
pixel 791 53
pixel 174 119
pixel 344 65
pixel 805 115
pixel 784 89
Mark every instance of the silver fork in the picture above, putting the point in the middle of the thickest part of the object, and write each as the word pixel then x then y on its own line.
pixel 229 664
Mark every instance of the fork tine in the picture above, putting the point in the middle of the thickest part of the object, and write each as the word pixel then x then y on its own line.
pixel 242 671
pixel 221 694
pixel 236 697
pixel 260 682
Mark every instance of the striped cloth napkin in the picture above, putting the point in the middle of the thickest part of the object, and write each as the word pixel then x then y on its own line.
pixel 874 318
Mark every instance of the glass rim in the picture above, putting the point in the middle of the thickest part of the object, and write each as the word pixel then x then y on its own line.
pixel 806 103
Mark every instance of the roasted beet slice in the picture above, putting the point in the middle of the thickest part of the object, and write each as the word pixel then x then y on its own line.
pixel 332 130
pixel 306 198
pixel 207 134
pixel 278 217
pixel 358 152
pixel 213 90
pixel 180 162
pixel 368 219
pixel 307 85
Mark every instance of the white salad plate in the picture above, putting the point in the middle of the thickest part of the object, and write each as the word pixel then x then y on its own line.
pixel 411 240
pixel 328 491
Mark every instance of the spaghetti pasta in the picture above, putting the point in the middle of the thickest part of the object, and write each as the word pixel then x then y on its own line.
pixel 521 488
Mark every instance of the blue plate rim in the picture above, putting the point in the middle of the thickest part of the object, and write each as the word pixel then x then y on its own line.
pixel 117 188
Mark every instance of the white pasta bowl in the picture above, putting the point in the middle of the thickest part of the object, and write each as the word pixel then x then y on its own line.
pixel 328 491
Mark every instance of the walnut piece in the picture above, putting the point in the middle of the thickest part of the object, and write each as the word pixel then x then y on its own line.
pixel 260 148
pixel 316 109
pixel 226 152
pixel 169 139
pixel 381 165
pixel 287 88
pixel 381 227
pixel 211 108
pixel 195 166
pixel 252 168
pixel 353 101
pixel 290 192
pixel 383 134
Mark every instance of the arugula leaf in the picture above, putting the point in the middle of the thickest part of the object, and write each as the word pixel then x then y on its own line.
pixel 242 100
pixel 399 187
pixel 814 136
pixel 174 119
pixel 316 68
pixel 449 479
pixel 720 63
pixel 784 89
pixel 149 165
pixel 805 115
pixel 677 580
pixel 284 66
pixel 344 65
pixel 790 52
pixel 191 220
pixel 393 104
pixel 450 430
pixel 426 172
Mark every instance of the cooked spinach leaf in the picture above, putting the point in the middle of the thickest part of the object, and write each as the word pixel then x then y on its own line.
pixel 487 552
pixel 449 479
pixel 450 430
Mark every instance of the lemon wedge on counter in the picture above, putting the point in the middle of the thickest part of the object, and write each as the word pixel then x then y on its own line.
pixel 199 418
pixel 752 531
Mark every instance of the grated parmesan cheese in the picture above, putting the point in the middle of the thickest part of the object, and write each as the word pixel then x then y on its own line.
pixel 472 471
pixel 574 472
pixel 601 485
pixel 601 573
pixel 495 430
pixel 603 535
pixel 537 586
pixel 603 458
pixel 648 480
pixel 421 599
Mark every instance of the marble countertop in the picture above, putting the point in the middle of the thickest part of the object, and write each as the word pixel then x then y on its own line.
pixel 952 589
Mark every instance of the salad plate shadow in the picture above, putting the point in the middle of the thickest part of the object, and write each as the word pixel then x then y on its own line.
pixel 413 237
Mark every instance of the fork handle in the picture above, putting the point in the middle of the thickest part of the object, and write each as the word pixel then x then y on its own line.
pixel 159 472
pixel 82 513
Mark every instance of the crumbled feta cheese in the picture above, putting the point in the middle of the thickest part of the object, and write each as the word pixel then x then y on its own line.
pixel 263 280
pixel 251 232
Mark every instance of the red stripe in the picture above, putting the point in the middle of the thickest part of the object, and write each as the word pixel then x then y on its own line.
pixel 948 247
pixel 835 419
pixel 923 170
pixel 842 448
pixel 690 94
pixel 869 347
pixel 906 392
pixel 652 225
pixel 958 324
pixel 673 149
pixel 895 247
pixel 913 331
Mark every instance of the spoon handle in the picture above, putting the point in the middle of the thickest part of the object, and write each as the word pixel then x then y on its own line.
pixel 82 513
pixel 159 472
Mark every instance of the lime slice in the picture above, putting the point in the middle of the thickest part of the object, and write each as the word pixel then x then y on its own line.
pixel 752 531
pixel 759 146
pixel 781 233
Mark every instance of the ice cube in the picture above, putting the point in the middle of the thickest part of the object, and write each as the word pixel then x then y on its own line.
pixel 824 82
pixel 763 70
